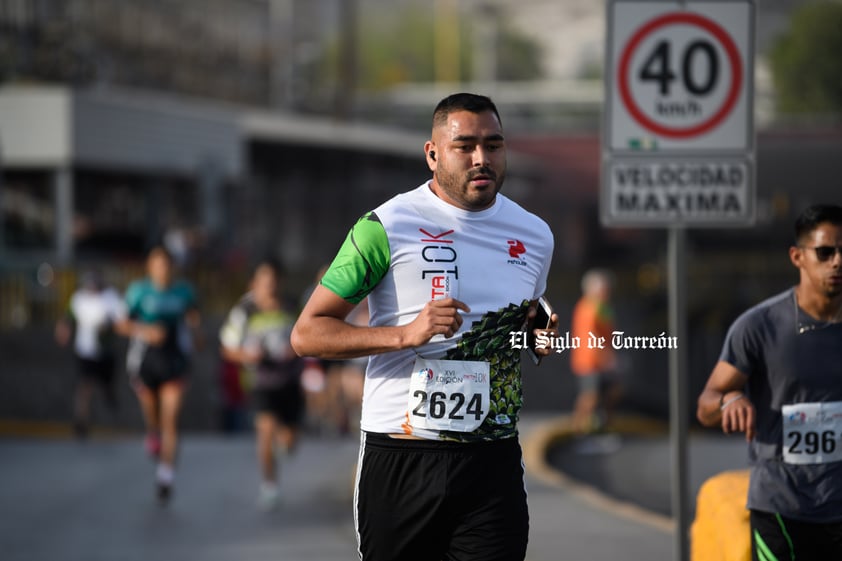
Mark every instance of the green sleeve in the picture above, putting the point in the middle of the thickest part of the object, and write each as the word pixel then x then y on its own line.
pixel 362 261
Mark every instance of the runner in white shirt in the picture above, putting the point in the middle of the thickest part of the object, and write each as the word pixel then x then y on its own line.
pixel 451 269
pixel 93 313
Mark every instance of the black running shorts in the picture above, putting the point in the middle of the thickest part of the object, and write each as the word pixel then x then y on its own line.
pixel 161 365
pixel 286 403
pixel 432 500
pixel 100 371
pixel 775 538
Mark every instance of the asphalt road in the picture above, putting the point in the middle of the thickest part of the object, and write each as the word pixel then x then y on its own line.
pixel 62 500
pixel 637 468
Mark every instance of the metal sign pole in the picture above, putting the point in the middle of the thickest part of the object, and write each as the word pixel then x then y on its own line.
pixel 678 390
pixel 2 211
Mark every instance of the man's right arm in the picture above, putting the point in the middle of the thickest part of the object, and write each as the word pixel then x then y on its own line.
pixel 321 330
pixel 722 402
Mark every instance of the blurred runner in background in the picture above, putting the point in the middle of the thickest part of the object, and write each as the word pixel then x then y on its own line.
pixel 256 336
pixel 163 325
pixel 595 368
pixel 94 312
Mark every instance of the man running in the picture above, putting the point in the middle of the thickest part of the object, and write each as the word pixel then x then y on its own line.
pixel 255 335
pixel 94 314
pixel 164 323
pixel 451 269
pixel 778 381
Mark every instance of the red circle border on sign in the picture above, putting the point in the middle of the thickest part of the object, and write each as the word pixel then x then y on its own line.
pixel 733 55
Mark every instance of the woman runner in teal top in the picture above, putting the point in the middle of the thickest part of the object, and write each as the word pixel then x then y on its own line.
pixel 164 323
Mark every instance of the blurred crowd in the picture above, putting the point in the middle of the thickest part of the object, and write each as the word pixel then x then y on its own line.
pixel 262 384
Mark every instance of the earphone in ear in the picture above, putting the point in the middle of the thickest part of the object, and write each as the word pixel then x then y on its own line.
pixel 432 155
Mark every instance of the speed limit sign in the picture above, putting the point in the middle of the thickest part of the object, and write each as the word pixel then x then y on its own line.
pixel 680 76
pixel 678 140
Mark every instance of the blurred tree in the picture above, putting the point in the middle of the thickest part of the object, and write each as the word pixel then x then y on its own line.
pixel 398 48
pixel 807 62
pixel 519 57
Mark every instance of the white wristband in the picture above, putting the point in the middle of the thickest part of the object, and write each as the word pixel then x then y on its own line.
pixel 730 401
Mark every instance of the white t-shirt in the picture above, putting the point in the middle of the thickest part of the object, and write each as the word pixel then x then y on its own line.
pixel 415 248
pixel 95 314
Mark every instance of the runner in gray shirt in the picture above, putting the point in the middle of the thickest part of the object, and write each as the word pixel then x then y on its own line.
pixel 779 380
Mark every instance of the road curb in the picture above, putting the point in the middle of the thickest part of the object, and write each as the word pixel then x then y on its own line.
pixel 544 434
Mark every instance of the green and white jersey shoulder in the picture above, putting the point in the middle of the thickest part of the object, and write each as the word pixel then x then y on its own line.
pixel 415 248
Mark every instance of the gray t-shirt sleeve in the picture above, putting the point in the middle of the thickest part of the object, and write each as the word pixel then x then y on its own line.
pixel 741 348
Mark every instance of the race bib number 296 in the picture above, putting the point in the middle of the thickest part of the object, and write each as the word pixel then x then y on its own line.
pixel 448 394
pixel 812 433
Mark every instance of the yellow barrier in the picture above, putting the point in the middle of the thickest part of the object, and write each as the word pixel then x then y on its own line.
pixel 720 531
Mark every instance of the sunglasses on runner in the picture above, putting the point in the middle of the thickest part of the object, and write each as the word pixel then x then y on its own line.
pixel 825 252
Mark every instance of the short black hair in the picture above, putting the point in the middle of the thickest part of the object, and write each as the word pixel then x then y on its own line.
pixel 474 103
pixel 812 216
pixel 273 263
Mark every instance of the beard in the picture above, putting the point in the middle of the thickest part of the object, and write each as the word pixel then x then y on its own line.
pixel 458 186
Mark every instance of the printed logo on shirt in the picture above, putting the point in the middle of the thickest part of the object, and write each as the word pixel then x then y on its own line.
pixel 516 249
pixel 440 269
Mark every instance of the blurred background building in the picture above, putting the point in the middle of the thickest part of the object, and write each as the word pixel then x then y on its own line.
pixel 232 128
